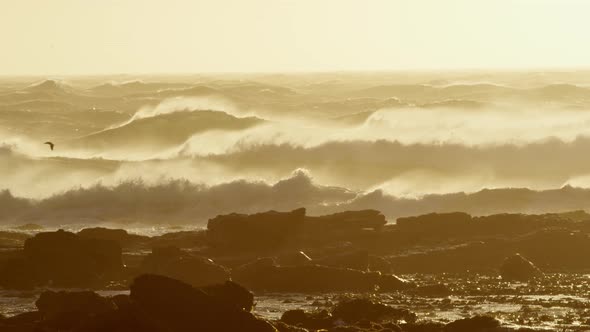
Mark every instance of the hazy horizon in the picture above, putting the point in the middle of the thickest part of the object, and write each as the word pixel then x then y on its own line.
pixel 67 37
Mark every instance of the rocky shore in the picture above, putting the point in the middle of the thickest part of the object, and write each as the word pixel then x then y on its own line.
pixel 202 280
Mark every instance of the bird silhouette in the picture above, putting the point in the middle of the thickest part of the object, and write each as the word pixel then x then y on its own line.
pixel 51 145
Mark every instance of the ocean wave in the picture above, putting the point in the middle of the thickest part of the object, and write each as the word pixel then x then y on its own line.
pixel 171 202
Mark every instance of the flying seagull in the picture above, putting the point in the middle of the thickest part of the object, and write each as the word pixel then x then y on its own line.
pixel 51 145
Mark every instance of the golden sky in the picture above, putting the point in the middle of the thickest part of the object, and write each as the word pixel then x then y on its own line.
pixel 190 36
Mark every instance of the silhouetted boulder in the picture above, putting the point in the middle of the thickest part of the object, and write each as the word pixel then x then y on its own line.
pixel 519 268
pixel 130 319
pixel 475 257
pixel 434 290
pixel 556 249
pixel 192 269
pixel 256 232
pixel 177 306
pixel 358 260
pixel 390 283
pixel 66 310
pixel 473 324
pixel 231 294
pixel 264 274
pixel 309 320
pixel 355 310
pixel 423 326
pixel 124 239
pixel 17 273
pixel 67 260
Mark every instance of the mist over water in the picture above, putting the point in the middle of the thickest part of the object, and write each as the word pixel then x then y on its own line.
pixel 191 150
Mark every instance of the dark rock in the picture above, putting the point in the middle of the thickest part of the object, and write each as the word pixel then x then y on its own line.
pixel 390 283
pixel 435 221
pixel 132 319
pixel 257 232
pixel 231 294
pixel 346 329
pixel 295 258
pixel 121 301
pixel 556 249
pixel 358 260
pixel 68 260
pixel 177 306
pixel 423 327
pixel 175 263
pixel 313 321
pixel 519 268
pixel 24 322
pixel 52 303
pixel 377 263
pixel 356 220
pixel 283 327
pixel 473 257
pixel 265 275
pixel 66 310
pixel 17 273
pixel 473 324
pixel 392 327
pixel 354 310
pixel 182 239
pixel 124 239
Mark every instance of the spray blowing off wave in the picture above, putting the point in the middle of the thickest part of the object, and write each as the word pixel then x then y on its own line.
pixel 174 201
pixel 184 202
pixel 184 126
pixel 183 104
pixel 407 126
pixel 401 139
pixel 402 170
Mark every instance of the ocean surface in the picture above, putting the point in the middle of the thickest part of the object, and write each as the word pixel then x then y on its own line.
pixel 163 150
